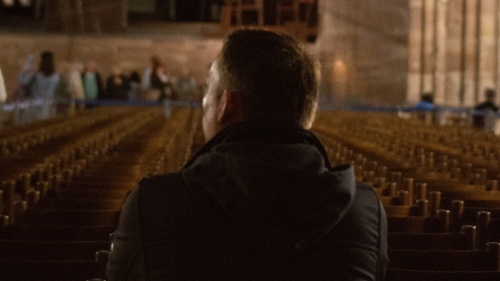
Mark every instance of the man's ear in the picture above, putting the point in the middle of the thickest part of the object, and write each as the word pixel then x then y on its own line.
pixel 230 107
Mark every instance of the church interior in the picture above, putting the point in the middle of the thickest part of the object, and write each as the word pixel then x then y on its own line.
pixel 67 165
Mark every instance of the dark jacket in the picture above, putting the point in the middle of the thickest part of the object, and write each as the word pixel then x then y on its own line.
pixel 100 86
pixel 256 203
pixel 480 110
pixel 117 91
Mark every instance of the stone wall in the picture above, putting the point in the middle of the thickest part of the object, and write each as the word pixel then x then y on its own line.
pixel 85 16
pixel 363 48
pixel 372 52
pixel 131 52
pixel 454 50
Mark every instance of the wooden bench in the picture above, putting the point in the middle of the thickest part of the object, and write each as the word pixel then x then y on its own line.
pixel 393 274
pixel 432 241
pixel 64 217
pixel 56 232
pixel 49 250
pixel 450 260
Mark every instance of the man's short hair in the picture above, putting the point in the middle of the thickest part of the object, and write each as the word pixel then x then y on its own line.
pixel 276 77
pixel 490 93
pixel 47 66
pixel 428 97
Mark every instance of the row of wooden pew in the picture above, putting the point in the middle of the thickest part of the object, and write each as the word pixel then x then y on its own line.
pixel 64 182
pixel 439 186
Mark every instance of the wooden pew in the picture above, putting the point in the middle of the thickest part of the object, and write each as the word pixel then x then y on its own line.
pixel 56 232
pixel 393 274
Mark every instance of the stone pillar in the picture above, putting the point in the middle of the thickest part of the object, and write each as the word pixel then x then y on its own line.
pixel 454 52
pixel 471 52
pixel 415 45
pixel 335 42
pixel 364 51
pixel 487 52
pixel 497 49
pixel 3 95
pixel 441 69
pixel 429 34
pixel 325 38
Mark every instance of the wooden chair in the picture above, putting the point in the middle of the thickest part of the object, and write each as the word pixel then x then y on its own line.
pixel 101 259
pixel 471 195
pixel 393 274
pixel 89 193
pixel 60 198
pixel 54 270
pixel 246 7
pixel 286 10
pixel 398 211
pixel 471 203
pixel 80 204
pixel 63 217
pixel 293 10
pixel 415 224
pixel 56 232
pixel 49 250
pixel 465 240
pixel 488 228
pixel 455 260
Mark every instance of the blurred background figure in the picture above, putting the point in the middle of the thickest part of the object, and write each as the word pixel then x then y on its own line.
pixel 117 84
pixel 146 77
pixel 135 85
pixel 69 92
pixel 40 84
pixel 3 98
pixel 76 83
pixel 3 91
pixel 160 81
pixel 92 83
pixel 426 102
pixel 425 107
pixel 185 87
pixel 155 80
pixel 484 110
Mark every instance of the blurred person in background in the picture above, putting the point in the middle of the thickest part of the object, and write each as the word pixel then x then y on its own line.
pixel 161 81
pixel 69 91
pixel 185 86
pixel 40 83
pixel 3 97
pixel 135 86
pixel 92 83
pixel 117 84
pixel 3 91
pixel 484 110
pixel 146 77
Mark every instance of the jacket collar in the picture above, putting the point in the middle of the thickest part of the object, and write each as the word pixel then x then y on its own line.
pixel 264 133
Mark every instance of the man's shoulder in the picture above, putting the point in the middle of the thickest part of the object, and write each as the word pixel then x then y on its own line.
pixel 169 181
pixel 366 203
pixel 365 189
pixel 486 105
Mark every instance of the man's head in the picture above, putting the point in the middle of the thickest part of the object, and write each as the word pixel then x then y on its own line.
pixel 47 66
pixel 260 76
pixel 490 94
pixel 91 66
pixel 116 70
pixel 428 97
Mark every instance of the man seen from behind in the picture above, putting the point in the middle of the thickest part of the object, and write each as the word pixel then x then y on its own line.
pixel 260 200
